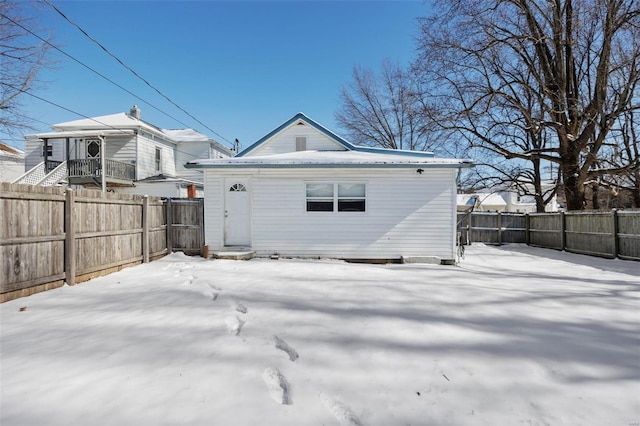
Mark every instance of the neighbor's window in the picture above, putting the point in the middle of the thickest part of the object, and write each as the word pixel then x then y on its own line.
pixel 158 159
pixel 48 149
pixel 332 197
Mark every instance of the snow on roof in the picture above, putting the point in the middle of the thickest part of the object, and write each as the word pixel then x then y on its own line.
pixel 81 133
pixel 186 135
pixel 302 159
pixel 117 121
pixel 161 178
pixel 484 198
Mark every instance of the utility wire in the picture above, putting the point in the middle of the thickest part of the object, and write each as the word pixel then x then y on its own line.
pixel 81 115
pixel 92 70
pixel 132 70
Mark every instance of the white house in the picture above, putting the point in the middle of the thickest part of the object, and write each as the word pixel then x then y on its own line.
pixel 482 202
pixel 121 153
pixel 519 203
pixel 11 163
pixel 304 191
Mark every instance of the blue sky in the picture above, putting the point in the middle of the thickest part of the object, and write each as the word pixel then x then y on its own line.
pixel 241 68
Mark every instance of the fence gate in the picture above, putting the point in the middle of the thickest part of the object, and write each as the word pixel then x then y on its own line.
pixel 185 225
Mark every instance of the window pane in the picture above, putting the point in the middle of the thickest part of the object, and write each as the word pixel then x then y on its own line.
pixel 319 190
pixel 347 205
pixel 351 190
pixel 319 205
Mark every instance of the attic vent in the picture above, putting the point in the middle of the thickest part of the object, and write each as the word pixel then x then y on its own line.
pixel 301 143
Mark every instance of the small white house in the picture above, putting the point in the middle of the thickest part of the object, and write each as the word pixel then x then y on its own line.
pixel 482 202
pixel 304 191
pixel 11 163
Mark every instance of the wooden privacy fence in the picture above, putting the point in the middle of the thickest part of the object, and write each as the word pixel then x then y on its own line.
pixel 49 235
pixel 606 234
pixel 185 224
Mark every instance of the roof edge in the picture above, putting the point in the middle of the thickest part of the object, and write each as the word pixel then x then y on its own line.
pixel 463 164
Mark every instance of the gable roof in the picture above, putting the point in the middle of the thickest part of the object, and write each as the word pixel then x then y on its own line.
pixel 9 151
pixel 114 121
pixel 322 129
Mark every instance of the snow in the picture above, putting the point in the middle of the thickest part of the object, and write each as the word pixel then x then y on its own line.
pixel 314 158
pixel 186 135
pixel 513 335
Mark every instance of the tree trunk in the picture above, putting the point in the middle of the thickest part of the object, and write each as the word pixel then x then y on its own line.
pixel 595 196
pixel 573 188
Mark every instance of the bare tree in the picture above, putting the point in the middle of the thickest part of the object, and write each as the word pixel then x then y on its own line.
pixel 22 57
pixel 383 110
pixel 535 81
pixel 620 153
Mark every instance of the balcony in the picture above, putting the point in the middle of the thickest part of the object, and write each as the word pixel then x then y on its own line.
pixel 90 171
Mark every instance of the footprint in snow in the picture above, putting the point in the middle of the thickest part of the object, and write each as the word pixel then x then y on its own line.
pixel 188 280
pixel 239 307
pixel 234 325
pixel 277 385
pixel 215 291
pixel 284 346
pixel 341 412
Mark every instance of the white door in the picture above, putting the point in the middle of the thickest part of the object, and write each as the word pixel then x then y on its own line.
pixel 237 218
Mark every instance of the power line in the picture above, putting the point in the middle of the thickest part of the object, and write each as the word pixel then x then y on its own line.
pixel 132 70
pixel 94 71
pixel 80 114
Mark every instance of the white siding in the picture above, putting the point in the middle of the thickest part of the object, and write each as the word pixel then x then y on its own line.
pixel 285 141
pixel 189 151
pixel 146 164
pixel 407 214
pixel 121 149
pixel 33 151
pixel 11 167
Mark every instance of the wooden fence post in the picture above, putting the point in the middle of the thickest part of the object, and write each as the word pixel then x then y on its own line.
pixel 616 231
pixel 70 238
pixel 563 228
pixel 145 229
pixel 527 226
pixel 169 217
pixel 499 225
pixel 469 238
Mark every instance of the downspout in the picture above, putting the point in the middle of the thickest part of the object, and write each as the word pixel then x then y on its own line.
pixel 102 164
pixel 45 152
pixel 67 159
pixel 137 160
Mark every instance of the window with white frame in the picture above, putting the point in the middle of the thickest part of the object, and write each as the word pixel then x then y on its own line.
pixel 336 197
pixel 158 159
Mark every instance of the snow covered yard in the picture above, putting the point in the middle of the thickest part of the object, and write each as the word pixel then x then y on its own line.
pixel 513 336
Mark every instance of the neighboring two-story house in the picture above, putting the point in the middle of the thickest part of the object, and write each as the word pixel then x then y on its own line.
pixel 121 153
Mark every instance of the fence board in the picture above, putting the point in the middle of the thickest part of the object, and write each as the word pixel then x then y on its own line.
pixel 48 234
pixel 187 224
pixel 628 234
pixel 604 234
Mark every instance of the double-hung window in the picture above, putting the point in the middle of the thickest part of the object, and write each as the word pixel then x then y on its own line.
pixel 336 197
